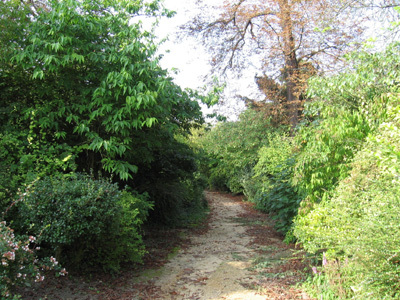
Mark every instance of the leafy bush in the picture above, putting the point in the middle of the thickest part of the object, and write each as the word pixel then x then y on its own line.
pixel 346 108
pixel 23 158
pixel 326 149
pixel 274 192
pixel 19 265
pixel 12 174
pixel 172 180
pixel 178 203
pixel 84 222
pixel 232 148
pixel 356 224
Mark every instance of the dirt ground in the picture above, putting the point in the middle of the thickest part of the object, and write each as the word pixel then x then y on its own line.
pixel 235 254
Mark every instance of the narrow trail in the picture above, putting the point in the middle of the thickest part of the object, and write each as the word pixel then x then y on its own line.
pixel 216 264
pixel 234 259
pixel 236 255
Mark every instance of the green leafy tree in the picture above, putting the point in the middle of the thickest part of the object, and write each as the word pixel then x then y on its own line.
pixel 232 148
pixel 84 87
pixel 82 91
pixel 94 75
pixel 348 167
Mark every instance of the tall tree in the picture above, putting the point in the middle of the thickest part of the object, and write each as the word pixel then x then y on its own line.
pixel 82 78
pixel 291 38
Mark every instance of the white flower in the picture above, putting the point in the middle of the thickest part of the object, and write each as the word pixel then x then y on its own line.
pixel 39 278
pixel 53 260
pixel 63 272
pixel 10 255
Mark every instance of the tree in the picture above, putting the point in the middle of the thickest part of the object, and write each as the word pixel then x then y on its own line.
pixel 81 89
pixel 292 39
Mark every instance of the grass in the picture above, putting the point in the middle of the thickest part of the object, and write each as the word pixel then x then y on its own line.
pixel 174 252
pixel 236 256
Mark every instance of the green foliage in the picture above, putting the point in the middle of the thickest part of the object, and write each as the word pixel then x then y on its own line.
pixel 356 221
pixel 171 179
pixel 346 108
pixel 22 161
pixel 273 191
pixel 357 225
pixel 19 265
pixel 84 222
pixel 82 91
pixel 273 157
pixel 232 149
pixel 368 76
pixel 326 148
pixel 11 176
pixel 14 17
pixel 178 203
pixel 86 79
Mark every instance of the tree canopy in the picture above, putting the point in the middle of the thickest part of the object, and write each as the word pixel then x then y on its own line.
pixel 91 82
pixel 288 41
pixel 89 122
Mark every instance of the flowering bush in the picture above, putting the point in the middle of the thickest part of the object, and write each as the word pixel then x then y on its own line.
pixel 18 262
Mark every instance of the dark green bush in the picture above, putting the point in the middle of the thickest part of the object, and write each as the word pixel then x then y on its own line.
pixel 178 203
pixel 172 181
pixel 281 199
pixel 85 222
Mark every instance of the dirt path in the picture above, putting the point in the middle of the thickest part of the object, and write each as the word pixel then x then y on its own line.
pixel 231 260
pixel 216 263
pixel 236 254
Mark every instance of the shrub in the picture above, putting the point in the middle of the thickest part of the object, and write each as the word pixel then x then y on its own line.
pixel 19 265
pixel 232 148
pixel 273 172
pixel 84 222
pixel 358 226
pixel 346 108
pixel 325 149
pixel 178 203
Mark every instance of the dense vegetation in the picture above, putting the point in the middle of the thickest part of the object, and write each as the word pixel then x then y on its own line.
pixel 333 186
pixel 91 137
pixel 95 139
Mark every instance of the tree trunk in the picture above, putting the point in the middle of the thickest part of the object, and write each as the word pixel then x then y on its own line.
pixel 291 64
